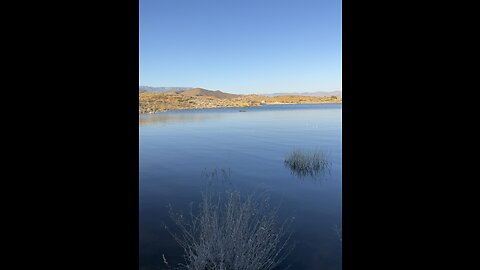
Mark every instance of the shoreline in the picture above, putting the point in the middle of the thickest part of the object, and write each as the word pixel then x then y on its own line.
pixel 236 107
pixel 150 103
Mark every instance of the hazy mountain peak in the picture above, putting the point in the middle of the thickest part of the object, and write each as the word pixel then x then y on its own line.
pixel 144 88
pixel 315 94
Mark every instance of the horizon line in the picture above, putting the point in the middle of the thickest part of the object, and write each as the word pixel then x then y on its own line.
pixel 286 91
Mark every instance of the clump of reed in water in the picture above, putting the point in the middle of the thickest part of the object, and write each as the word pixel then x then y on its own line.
pixel 303 163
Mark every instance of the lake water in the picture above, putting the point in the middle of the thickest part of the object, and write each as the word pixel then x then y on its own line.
pixel 177 146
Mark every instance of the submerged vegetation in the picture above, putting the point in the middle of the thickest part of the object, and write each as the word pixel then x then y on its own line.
pixel 307 163
pixel 232 232
pixel 338 231
pixel 217 173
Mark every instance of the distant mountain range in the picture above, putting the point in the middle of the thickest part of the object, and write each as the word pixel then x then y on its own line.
pixel 313 94
pixel 143 88
pixel 188 91
pixel 192 91
pixel 198 92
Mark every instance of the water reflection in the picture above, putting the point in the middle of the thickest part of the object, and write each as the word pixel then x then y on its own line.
pixel 184 152
pixel 316 175
pixel 164 118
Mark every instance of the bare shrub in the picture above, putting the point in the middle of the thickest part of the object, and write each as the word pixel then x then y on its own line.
pixel 231 232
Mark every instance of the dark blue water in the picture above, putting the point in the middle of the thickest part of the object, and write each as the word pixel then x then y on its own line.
pixel 176 146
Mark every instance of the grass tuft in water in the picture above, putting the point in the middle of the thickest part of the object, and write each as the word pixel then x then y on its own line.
pixel 223 174
pixel 304 163
pixel 232 232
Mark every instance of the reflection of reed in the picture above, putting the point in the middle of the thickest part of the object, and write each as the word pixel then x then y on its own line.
pixel 168 118
pixel 217 173
pixel 338 231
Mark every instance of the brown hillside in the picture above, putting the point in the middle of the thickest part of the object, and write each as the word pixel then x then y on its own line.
pixel 199 92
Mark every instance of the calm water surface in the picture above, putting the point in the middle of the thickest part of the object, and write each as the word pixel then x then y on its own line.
pixel 177 146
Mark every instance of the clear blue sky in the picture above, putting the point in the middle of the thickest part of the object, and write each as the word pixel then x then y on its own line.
pixel 242 46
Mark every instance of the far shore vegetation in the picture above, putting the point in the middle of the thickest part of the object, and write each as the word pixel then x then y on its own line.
pixel 154 102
